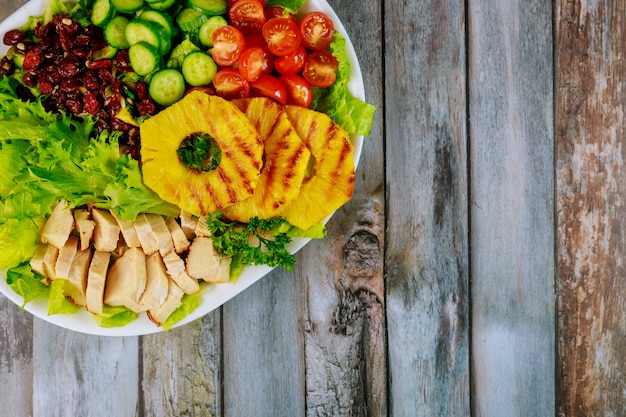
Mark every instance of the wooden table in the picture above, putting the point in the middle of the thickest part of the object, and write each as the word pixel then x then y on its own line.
pixel 480 268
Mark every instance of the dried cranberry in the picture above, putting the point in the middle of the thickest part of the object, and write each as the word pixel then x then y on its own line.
pixel 46 87
pixel 30 79
pixel 103 63
pixel 69 67
pixel 141 88
pixel 106 76
pixel 70 84
pixel 7 66
pixel 90 80
pixel 74 102
pixel 13 37
pixel 91 103
pixel 32 60
pixel 146 106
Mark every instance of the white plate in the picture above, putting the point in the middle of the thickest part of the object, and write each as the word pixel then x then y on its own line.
pixel 216 295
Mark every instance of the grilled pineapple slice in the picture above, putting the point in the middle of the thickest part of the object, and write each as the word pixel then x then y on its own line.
pixel 286 160
pixel 193 189
pixel 330 181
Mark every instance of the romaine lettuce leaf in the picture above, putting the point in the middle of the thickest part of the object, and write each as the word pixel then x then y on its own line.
pixel 189 303
pixel 349 112
pixel 292 5
pixel 25 282
pixel 118 316
pixel 18 242
pixel 57 302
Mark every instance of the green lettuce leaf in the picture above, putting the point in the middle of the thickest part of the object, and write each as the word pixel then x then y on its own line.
pixel 57 303
pixel 189 303
pixel 18 242
pixel 353 114
pixel 114 316
pixel 25 282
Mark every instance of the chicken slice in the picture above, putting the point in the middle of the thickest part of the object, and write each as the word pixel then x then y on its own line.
pixel 188 224
pixel 107 231
pixel 66 257
pixel 157 286
pixel 126 280
pixel 145 234
pixel 203 262
pixel 161 233
pixel 84 226
pixel 201 227
pixel 76 290
pixel 37 261
pixel 59 225
pixel 128 231
pixel 181 243
pixel 96 280
pixel 176 269
pixel 172 302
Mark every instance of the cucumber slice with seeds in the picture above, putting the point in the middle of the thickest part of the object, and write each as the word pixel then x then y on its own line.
pixel 138 30
pixel 115 32
pixel 102 12
pixel 167 86
pixel 144 58
pixel 198 68
pixel 162 19
pixel 205 33
pixel 127 6
pixel 209 7
pixel 189 20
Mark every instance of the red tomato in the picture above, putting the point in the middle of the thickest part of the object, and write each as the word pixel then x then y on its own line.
pixel 252 63
pixel 292 63
pixel 257 40
pixel 228 44
pixel 282 36
pixel 279 11
pixel 231 3
pixel 299 91
pixel 317 30
pixel 320 68
pixel 229 84
pixel 271 87
pixel 247 16
pixel 204 88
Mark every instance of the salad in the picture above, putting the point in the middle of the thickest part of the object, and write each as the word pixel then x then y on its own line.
pixel 154 150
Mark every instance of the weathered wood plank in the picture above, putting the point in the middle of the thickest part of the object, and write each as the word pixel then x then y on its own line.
pixel 427 218
pixel 510 89
pixel 16 369
pixel 262 350
pixel 591 207
pixel 335 295
pixel 181 370
pixel 82 375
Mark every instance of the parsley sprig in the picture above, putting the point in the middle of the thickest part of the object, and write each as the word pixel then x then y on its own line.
pixel 258 242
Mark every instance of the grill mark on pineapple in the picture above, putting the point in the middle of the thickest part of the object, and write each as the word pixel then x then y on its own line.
pixel 232 195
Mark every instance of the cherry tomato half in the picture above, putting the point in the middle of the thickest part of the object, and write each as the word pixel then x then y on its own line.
pixel 228 44
pixel 282 36
pixel 247 16
pixel 320 68
pixel 317 30
pixel 271 87
pixel 299 91
pixel 229 84
pixel 257 40
pixel 252 63
pixel 231 3
pixel 292 63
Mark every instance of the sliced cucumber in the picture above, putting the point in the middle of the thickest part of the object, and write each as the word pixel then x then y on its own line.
pixel 102 12
pixel 138 30
pixel 205 33
pixel 106 52
pixel 167 86
pixel 115 32
pixel 162 19
pixel 144 58
pixel 198 68
pixel 127 6
pixel 161 4
pixel 209 7
pixel 189 20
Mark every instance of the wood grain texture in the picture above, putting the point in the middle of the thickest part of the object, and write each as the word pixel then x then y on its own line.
pixel 591 207
pixel 512 241
pixel 181 370
pixel 427 219
pixel 16 367
pixel 101 371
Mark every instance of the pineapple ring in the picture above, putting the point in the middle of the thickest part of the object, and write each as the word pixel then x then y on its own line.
pixel 196 191
pixel 286 160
